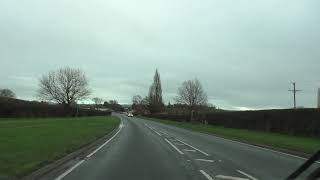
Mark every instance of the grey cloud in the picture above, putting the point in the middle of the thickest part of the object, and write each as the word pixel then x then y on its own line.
pixel 246 53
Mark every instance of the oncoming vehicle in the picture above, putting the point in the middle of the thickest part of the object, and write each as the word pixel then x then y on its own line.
pixel 130 115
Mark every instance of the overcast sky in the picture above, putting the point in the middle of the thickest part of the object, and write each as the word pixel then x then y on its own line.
pixel 244 52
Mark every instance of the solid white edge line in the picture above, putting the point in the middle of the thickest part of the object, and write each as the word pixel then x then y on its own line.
pixel 95 151
pixel 80 162
pixel 205 160
pixel 230 177
pixel 193 147
pixel 248 175
pixel 69 170
pixel 206 175
pixel 174 146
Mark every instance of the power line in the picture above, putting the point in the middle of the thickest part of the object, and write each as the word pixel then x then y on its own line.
pixel 294 90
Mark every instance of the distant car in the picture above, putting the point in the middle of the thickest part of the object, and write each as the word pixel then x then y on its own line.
pixel 130 115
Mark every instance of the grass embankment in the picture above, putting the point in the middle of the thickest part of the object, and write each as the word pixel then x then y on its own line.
pixel 27 144
pixel 301 144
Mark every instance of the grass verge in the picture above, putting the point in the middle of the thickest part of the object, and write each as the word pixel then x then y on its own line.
pixel 27 144
pixel 294 143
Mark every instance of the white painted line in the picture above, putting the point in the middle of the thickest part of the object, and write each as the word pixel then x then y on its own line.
pixel 164 133
pixel 206 175
pixel 157 132
pixel 69 170
pixel 190 150
pixel 205 160
pixel 179 144
pixel 95 151
pixel 248 175
pixel 194 147
pixel 153 129
pixel 174 147
pixel 148 126
pixel 230 177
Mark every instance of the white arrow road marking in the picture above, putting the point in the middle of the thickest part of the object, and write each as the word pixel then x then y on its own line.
pixel 164 133
pixel 205 160
pixel 248 175
pixel 206 175
pixel 174 147
pixel 157 132
pixel 190 150
pixel 179 144
pixel 193 147
pixel 230 177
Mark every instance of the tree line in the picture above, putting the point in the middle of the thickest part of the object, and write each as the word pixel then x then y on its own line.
pixel 190 95
pixel 7 93
pixel 67 86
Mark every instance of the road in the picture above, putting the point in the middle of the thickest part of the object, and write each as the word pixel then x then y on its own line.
pixel 147 150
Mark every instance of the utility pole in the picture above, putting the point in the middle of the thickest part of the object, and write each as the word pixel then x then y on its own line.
pixel 294 94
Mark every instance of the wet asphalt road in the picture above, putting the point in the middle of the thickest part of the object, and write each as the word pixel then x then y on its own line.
pixel 147 150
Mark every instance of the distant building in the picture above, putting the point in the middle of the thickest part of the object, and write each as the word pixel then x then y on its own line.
pixel 319 98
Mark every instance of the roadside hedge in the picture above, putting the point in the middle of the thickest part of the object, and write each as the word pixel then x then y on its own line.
pixel 20 108
pixel 302 122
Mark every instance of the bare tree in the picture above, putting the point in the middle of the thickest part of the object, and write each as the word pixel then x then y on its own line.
pixel 192 94
pixel 65 86
pixel 136 100
pixel 7 93
pixel 140 105
pixel 97 101
pixel 114 105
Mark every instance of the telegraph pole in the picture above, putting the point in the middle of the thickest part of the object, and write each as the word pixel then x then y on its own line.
pixel 294 94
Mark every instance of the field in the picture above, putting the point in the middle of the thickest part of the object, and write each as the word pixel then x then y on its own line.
pixel 295 143
pixel 27 144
